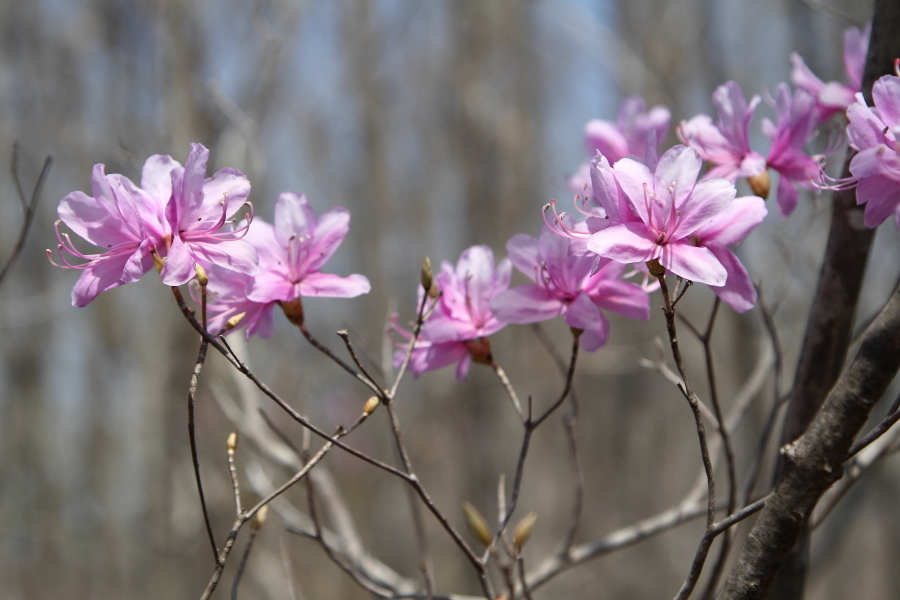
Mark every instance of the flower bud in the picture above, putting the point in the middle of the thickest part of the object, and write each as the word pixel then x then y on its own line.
pixel 234 321
pixel 202 279
pixel 477 524
pixel 158 261
pixel 523 530
pixel 760 184
pixel 260 518
pixel 232 441
pixel 371 404
pixel 293 310
pixel 656 269
pixel 427 275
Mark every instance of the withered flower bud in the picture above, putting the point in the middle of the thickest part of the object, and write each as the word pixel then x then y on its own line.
pixel 760 184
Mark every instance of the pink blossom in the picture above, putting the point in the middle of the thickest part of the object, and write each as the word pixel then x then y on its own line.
pixel 292 251
pixel 669 206
pixel 567 284
pixel 875 132
pixel 120 218
pixel 797 119
pixel 726 142
pixel 227 299
pixel 833 97
pixel 637 132
pixel 458 328
pixel 729 227
pixel 196 211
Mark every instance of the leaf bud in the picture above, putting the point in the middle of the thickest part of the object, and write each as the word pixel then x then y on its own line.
pixel 260 517
pixel 371 404
pixel 232 441
pixel 477 524
pixel 760 184
pixel 234 321
pixel 523 530
pixel 427 275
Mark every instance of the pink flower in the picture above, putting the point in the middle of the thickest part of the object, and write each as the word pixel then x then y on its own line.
pixel 227 299
pixel 875 132
pixel 292 251
pixel 566 284
pixel 670 205
pixel 196 210
pixel 120 218
pixel 726 142
pixel 796 121
pixel 729 227
pixel 458 328
pixel 637 132
pixel 833 97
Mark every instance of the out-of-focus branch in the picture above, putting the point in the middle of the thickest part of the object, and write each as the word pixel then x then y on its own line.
pixel 29 206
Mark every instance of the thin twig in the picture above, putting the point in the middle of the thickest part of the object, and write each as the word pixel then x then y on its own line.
pixel 29 207
pixel 510 391
pixel 892 417
pixel 327 352
pixel 232 470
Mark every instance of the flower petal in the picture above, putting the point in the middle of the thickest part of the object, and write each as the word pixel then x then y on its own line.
pixel 525 304
pixel 334 286
pixel 626 243
pixel 738 292
pixel 696 264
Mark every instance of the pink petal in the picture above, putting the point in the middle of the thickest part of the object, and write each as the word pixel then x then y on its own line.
pixel 582 313
pixel 626 243
pixel 268 286
pixel 103 274
pixel 235 255
pixel 636 180
pixel 593 339
pixel 525 304
pixel 886 94
pixel 226 185
pixel 696 264
pixel 156 177
pixel 803 78
pixel 605 137
pixel 881 196
pixel 334 286
pixel 786 197
pixel 856 45
pixel 331 229
pixel 738 292
pixel 179 266
pixel 677 168
pixel 734 223
pixel 609 292
pixel 523 252
pixel 294 218
pixel 709 198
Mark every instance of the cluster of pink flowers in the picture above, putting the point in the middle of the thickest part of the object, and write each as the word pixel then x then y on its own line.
pixel 639 209
pixel 179 220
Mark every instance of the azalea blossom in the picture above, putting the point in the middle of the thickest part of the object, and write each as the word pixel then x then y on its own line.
pixel 834 97
pixel 797 119
pixel 197 209
pixel 292 251
pixel 458 328
pixel 637 133
pixel 726 142
pixel 228 307
pixel 727 228
pixel 669 205
pixel 875 133
pixel 566 284
pixel 119 218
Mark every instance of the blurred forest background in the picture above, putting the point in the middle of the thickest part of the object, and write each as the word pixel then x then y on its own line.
pixel 439 124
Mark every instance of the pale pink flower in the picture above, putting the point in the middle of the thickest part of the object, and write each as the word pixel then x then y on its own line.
pixel 458 328
pixel 726 142
pixel 566 284
pixel 833 97
pixel 669 205
pixel 875 133
pixel 637 133
pixel 730 227
pixel 127 223
pixel 196 212
pixel 227 299
pixel 797 119
pixel 293 250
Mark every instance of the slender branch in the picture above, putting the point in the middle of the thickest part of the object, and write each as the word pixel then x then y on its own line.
pixel 510 391
pixel 29 207
pixel 254 529
pixel 327 352
pixel 232 470
pixel 892 417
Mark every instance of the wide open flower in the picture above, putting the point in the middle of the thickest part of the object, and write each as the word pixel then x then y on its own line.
pixel 670 205
pixel 196 211
pixel 127 223
pixel 726 142
pixel 797 119
pixel 833 97
pixel 227 301
pixel 293 250
pixel 637 133
pixel 566 284
pixel 458 328
pixel 875 133
pixel 729 227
